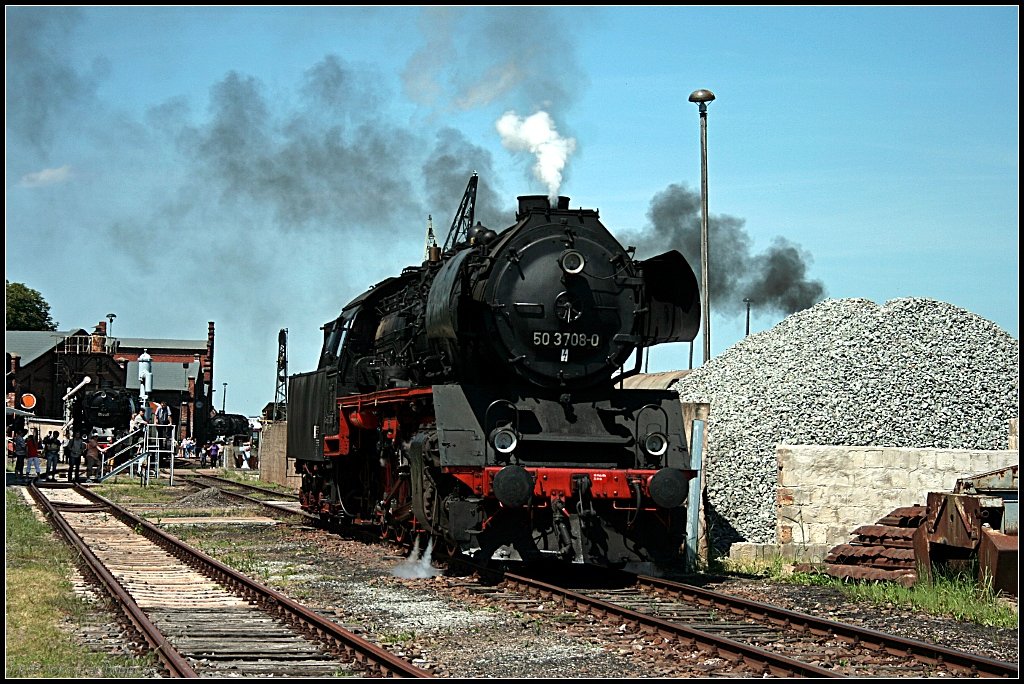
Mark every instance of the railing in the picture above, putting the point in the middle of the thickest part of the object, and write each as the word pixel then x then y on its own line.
pixel 87 344
pixel 112 458
pixel 150 444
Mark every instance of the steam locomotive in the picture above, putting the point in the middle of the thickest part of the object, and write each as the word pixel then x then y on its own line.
pixel 107 410
pixel 477 398
pixel 229 425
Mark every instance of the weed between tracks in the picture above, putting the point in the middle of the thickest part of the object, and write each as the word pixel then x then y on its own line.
pixel 956 595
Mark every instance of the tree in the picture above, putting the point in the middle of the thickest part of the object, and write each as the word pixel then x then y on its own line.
pixel 26 309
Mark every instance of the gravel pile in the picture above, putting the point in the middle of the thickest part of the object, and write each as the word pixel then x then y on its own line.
pixel 912 373
pixel 204 497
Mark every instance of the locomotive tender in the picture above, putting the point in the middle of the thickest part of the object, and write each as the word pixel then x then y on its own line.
pixel 477 398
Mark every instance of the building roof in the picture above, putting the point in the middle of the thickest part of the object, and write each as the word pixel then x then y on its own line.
pixel 11 411
pixel 31 344
pixel 167 375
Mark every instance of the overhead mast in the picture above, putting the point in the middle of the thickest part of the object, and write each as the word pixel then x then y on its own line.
pixel 281 387
pixel 431 242
pixel 459 231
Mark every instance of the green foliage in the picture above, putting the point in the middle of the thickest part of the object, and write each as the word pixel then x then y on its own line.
pixel 772 567
pixel 26 309
pixel 954 594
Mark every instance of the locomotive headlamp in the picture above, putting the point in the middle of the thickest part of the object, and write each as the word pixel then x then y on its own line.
pixel 668 487
pixel 656 444
pixel 572 262
pixel 513 485
pixel 505 441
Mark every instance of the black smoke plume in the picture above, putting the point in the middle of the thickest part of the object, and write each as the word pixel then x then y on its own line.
pixel 774 280
pixel 43 86
pixel 446 174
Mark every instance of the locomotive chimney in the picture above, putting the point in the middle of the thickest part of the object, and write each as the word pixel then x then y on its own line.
pixel 563 203
pixel 528 203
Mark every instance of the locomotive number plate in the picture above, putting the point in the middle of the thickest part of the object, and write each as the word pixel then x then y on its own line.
pixel 566 339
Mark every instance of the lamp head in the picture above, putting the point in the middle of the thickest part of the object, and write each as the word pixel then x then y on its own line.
pixel 701 96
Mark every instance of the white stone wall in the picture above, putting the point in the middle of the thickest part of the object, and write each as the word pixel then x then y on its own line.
pixel 826 492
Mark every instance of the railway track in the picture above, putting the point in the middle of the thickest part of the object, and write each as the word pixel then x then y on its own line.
pixel 200 617
pixel 747 638
pixel 281 502
pixel 285 502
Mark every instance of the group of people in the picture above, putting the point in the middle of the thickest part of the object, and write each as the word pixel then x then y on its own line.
pixel 30 451
pixel 210 453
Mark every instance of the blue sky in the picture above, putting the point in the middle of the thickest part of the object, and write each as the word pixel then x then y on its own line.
pixel 259 167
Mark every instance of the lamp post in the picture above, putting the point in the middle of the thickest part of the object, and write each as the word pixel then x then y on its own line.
pixel 110 326
pixel 747 301
pixel 701 98
pixel 224 399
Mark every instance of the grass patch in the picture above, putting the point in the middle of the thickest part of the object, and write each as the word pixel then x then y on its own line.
pixel 134 493
pixel 42 609
pixel 167 515
pixel 772 568
pixel 251 477
pixel 400 637
pixel 950 594
pixel 230 549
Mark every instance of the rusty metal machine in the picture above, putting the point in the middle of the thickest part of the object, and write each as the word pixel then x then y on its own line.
pixel 975 523
pixel 978 520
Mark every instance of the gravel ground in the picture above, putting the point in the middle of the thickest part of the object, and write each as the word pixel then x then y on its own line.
pixel 457 633
pixel 445 625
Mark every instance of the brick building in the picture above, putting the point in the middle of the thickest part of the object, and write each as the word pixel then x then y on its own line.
pixel 42 366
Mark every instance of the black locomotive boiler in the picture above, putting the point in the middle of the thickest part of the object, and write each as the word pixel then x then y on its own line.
pixel 476 398
pixel 229 425
pixel 105 411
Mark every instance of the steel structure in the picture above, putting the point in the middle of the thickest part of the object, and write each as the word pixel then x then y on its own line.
pixel 281 389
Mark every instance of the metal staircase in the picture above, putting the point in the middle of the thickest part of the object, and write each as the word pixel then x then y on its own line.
pixel 142 452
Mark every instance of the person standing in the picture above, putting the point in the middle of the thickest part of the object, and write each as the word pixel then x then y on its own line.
pixel 32 451
pixel 137 421
pixel 163 414
pixel 214 454
pixel 20 452
pixel 51 449
pixel 163 421
pixel 74 451
pixel 92 459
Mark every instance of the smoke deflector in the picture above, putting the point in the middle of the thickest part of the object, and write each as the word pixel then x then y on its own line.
pixel 671 298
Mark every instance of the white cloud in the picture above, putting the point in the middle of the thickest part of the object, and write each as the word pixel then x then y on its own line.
pixel 46 177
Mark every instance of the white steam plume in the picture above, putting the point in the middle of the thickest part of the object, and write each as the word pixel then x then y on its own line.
pixel 417 565
pixel 536 134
